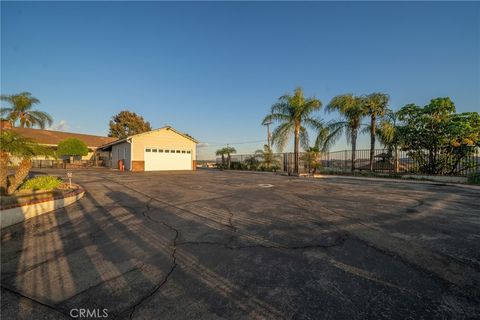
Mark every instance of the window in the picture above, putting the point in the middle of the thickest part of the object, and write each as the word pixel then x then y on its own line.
pixel 160 150
pixel 183 151
pixel 178 151
pixel 148 150
pixel 188 151
pixel 167 151
pixel 172 151
pixel 154 150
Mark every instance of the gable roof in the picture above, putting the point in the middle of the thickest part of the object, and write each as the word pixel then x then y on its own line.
pixel 148 132
pixel 50 137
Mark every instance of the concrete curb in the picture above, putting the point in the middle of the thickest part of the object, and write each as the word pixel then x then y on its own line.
pixel 13 215
pixel 468 186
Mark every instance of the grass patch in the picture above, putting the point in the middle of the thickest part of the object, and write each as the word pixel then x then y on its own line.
pixel 41 183
pixel 474 178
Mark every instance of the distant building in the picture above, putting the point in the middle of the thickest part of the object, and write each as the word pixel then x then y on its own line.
pixel 52 138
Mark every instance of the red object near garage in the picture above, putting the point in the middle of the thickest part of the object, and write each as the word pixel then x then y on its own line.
pixel 120 165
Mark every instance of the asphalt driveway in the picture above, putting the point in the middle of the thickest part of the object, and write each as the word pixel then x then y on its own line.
pixel 234 245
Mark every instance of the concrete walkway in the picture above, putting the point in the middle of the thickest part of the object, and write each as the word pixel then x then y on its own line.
pixel 212 244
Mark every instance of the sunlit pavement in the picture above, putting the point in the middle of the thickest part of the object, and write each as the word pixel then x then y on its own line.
pixel 211 244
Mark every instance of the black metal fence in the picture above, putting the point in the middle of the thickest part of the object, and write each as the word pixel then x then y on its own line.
pixel 64 164
pixel 400 162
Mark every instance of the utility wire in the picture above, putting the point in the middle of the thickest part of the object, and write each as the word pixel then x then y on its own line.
pixel 216 144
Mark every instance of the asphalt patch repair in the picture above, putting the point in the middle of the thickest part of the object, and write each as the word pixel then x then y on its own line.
pixel 217 245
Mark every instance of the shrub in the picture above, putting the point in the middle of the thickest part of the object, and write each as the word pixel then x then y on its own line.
pixel 474 178
pixel 41 183
pixel 72 147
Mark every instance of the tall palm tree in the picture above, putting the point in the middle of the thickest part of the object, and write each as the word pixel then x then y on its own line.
pixel 13 144
pixel 352 110
pixel 229 151
pixel 293 113
pixel 221 152
pixel 21 110
pixel 376 104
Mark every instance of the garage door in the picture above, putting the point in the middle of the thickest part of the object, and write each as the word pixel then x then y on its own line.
pixel 157 158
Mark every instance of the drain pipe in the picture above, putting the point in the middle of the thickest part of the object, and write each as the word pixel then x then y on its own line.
pixel 129 141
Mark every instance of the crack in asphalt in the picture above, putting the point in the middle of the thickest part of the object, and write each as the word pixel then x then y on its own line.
pixel 172 255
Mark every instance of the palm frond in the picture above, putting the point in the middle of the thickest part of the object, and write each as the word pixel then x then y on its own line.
pixel 304 138
pixel 280 135
pixel 334 131
pixel 4 111
pixel 41 118
pixel 282 107
pixel 276 117
pixel 314 123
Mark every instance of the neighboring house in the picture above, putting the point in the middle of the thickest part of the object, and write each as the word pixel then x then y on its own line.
pixel 52 138
pixel 160 149
pixel 156 150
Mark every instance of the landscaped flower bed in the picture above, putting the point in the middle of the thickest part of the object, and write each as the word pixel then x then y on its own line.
pixel 27 203
pixel 39 189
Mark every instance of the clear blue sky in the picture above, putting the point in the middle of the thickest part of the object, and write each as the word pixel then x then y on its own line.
pixel 214 69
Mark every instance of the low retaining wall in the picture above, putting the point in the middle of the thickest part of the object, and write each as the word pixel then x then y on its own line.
pixel 17 213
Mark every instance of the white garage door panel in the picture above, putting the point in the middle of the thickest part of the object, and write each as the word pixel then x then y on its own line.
pixel 156 161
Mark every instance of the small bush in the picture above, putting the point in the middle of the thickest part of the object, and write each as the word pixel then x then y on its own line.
pixel 41 183
pixel 474 178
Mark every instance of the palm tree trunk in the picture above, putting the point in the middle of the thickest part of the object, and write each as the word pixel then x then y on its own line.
pixel 296 146
pixel 354 148
pixel 229 160
pixel 223 160
pixel 396 160
pixel 373 129
pixel 20 174
pixel 3 172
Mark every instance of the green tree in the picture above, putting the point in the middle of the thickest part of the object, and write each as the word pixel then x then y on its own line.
pixel 229 151
pixel 376 104
pixel 72 147
pixel 352 110
pixel 21 111
pixel 436 137
pixel 14 145
pixel 312 158
pixel 126 124
pixel 389 135
pixel 221 152
pixel 268 160
pixel 252 162
pixel 293 113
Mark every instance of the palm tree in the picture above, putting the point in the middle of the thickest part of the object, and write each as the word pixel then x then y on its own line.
pixel 13 144
pixel 267 156
pixel 389 135
pixel 221 152
pixel 293 113
pixel 21 110
pixel 376 104
pixel 312 158
pixel 229 151
pixel 352 109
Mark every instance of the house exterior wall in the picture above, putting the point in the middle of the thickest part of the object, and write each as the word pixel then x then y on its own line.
pixel 121 151
pixel 162 138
